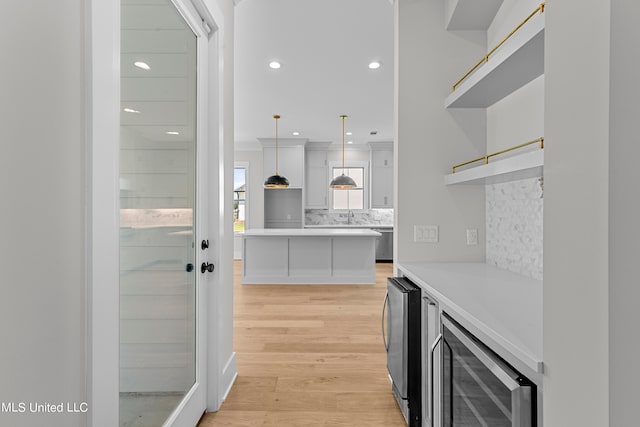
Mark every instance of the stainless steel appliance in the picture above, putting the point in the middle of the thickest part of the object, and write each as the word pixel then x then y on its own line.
pixel 384 244
pixel 478 387
pixel 402 340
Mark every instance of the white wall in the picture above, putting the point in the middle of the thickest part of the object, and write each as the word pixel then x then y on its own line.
pixel 576 218
pixel 517 118
pixel 624 211
pixel 43 178
pixel 430 139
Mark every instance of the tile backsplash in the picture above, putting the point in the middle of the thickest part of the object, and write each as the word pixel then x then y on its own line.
pixel 369 217
pixel 514 226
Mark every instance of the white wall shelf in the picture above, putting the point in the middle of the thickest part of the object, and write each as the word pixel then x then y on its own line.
pixel 521 166
pixel 517 62
pixel 470 15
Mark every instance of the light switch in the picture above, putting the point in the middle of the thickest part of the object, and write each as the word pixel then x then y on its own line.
pixel 425 233
pixel 472 236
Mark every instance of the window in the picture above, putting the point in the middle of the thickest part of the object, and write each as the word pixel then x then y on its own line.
pixel 349 199
pixel 239 199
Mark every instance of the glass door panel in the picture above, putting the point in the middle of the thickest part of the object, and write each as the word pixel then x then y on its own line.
pixel 157 220
pixel 479 388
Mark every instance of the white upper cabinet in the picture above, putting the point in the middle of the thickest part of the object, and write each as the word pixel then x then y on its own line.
pixel 290 161
pixel 381 175
pixel 317 177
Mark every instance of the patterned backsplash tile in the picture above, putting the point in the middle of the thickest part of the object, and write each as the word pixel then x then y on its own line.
pixel 369 217
pixel 514 226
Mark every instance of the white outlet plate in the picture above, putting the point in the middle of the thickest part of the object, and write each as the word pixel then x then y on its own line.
pixel 425 233
pixel 472 236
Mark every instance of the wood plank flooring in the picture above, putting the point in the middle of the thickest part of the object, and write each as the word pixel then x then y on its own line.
pixel 309 356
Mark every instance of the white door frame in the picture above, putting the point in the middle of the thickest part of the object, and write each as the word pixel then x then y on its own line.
pixel 102 47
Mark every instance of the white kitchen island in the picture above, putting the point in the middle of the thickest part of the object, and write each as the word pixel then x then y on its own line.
pixel 309 256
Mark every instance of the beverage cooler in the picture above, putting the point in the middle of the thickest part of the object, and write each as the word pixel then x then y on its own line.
pixel 478 387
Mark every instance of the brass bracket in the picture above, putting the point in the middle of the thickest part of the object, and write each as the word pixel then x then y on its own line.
pixel 486 157
pixel 485 59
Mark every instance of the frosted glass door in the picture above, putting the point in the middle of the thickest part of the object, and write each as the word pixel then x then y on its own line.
pixel 157 198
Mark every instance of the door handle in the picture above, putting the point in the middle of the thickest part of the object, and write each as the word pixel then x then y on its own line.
pixel 206 267
pixel 433 349
pixel 189 268
pixel 384 309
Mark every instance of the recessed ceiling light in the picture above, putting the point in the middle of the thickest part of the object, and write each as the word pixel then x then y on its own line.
pixel 374 65
pixel 130 110
pixel 274 64
pixel 142 65
pixel 349 142
pixel 349 133
pixel 172 132
pixel 296 133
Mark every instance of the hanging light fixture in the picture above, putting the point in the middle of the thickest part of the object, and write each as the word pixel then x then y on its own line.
pixel 342 182
pixel 275 180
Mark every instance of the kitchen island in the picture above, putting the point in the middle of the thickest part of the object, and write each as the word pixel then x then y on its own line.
pixel 309 256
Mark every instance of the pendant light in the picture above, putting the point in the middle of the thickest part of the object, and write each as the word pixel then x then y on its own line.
pixel 275 180
pixel 342 182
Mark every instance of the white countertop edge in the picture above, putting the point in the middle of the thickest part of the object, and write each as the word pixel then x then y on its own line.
pixel 315 232
pixel 476 326
pixel 373 226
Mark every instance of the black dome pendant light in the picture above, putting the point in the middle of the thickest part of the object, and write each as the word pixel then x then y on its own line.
pixel 342 182
pixel 275 180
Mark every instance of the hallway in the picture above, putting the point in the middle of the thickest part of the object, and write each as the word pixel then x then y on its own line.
pixel 309 356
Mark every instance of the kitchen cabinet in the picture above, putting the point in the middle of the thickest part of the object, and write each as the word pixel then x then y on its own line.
pixel 381 175
pixel 487 303
pixel 290 161
pixel 316 176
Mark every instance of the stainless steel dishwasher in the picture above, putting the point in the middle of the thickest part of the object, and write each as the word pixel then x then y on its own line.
pixel 384 244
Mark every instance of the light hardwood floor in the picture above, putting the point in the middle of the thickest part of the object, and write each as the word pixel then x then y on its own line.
pixel 309 356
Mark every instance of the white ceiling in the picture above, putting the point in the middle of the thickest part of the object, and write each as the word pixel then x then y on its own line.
pixel 324 47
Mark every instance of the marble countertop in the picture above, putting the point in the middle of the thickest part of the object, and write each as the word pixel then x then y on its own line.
pixel 306 232
pixel 501 308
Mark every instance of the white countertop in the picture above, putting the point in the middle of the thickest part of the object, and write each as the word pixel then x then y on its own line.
pixel 503 309
pixel 348 226
pixel 307 232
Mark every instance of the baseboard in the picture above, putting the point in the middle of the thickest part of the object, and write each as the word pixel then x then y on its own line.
pixel 229 375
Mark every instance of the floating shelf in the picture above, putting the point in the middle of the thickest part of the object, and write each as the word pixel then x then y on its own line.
pixel 517 62
pixel 521 166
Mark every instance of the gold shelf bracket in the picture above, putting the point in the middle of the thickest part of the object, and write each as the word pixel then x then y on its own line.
pixel 486 157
